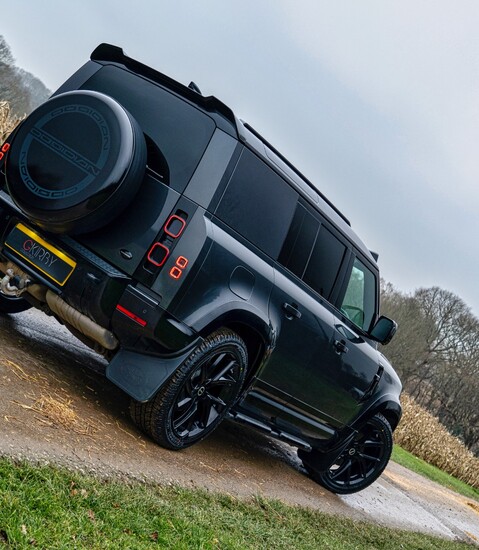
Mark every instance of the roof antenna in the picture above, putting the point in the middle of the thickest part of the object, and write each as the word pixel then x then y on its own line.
pixel 194 87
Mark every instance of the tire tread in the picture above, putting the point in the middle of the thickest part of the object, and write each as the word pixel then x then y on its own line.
pixel 152 417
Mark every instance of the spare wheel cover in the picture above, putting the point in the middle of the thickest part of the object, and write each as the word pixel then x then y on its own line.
pixel 76 162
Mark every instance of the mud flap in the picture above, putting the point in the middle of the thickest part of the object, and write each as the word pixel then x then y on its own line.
pixel 141 375
pixel 321 461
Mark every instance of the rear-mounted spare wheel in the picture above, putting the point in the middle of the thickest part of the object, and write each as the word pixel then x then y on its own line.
pixel 76 162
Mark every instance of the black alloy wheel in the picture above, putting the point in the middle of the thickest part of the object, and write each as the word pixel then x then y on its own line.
pixel 198 396
pixel 362 462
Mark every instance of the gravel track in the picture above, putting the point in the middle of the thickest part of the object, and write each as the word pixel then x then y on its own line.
pixel 57 407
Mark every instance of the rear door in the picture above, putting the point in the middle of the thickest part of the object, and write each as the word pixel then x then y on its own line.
pixel 320 369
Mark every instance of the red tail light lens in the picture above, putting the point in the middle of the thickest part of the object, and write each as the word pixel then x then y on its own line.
pixel 181 262
pixel 175 272
pixel 164 245
pixel 131 315
pixel 174 226
pixel 4 149
pixel 158 254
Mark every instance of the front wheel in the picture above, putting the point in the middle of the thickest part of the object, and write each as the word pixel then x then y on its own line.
pixel 362 462
pixel 199 394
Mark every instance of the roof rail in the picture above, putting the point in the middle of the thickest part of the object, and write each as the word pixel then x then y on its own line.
pixel 295 170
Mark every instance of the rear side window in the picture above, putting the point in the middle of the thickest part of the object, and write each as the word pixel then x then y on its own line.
pixel 299 242
pixel 312 252
pixel 325 262
pixel 180 131
pixel 258 204
pixel 359 302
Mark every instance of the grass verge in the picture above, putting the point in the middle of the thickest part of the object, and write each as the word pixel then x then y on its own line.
pixel 51 508
pixel 421 467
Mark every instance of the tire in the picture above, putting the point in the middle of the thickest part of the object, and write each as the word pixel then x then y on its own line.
pixel 12 304
pixel 76 162
pixel 199 394
pixel 362 462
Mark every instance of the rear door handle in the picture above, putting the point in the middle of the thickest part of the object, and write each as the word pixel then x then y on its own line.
pixel 292 311
pixel 340 347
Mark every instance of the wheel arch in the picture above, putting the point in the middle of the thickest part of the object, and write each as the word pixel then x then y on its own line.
pixel 388 406
pixel 255 331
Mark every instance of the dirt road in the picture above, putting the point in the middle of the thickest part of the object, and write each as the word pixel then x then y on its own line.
pixel 56 407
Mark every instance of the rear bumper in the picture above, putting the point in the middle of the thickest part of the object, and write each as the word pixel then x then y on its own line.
pixel 101 292
pixel 93 288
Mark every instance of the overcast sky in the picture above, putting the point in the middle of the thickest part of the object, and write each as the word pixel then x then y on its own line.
pixel 376 102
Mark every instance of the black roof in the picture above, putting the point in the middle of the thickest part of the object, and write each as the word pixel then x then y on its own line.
pixel 108 53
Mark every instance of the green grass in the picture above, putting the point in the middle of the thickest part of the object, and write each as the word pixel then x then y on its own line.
pixel 419 466
pixel 45 507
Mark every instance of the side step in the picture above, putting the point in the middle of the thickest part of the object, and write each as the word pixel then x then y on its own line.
pixel 282 436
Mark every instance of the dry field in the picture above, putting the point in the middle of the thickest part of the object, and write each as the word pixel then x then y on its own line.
pixel 7 122
pixel 423 435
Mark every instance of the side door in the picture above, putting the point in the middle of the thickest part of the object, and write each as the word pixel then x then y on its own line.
pixel 320 369
pixel 306 370
pixel 357 307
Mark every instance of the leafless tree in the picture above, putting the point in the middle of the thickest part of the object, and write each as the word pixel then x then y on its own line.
pixel 21 89
pixel 436 352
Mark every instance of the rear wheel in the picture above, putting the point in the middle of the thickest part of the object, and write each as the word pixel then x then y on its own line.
pixel 13 304
pixel 198 396
pixel 362 462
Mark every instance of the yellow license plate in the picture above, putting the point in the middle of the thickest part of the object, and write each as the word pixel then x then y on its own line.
pixel 45 257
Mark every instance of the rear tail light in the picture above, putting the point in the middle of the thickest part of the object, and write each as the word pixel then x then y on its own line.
pixel 4 149
pixel 181 262
pixel 131 315
pixel 177 270
pixel 158 254
pixel 161 249
pixel 174 226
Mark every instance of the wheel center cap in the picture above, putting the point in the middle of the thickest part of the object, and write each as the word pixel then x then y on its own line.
pixel 201 391
pixel 352 451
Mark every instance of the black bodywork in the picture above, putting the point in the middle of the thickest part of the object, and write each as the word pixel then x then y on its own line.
pixel 219 233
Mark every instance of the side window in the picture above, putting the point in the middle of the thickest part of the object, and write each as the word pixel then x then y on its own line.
pixel 258 204
pixel 299 241
pixel 312 252
pixel 325 262
pixel 359 302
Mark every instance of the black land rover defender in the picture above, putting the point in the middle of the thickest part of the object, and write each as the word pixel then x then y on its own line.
pixel 216 280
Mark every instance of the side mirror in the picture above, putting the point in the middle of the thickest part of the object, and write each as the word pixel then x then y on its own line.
pixel 383 330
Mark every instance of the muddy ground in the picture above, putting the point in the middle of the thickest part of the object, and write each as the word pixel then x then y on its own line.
pixel 57 407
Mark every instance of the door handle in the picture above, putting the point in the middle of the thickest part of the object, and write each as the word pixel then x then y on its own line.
pixel 340 347
pixel 292 311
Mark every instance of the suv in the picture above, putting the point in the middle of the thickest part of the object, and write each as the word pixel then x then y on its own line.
pixel 216 279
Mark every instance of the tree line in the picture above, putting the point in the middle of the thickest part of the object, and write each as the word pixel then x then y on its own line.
pixel 22 90
pixel 436 354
